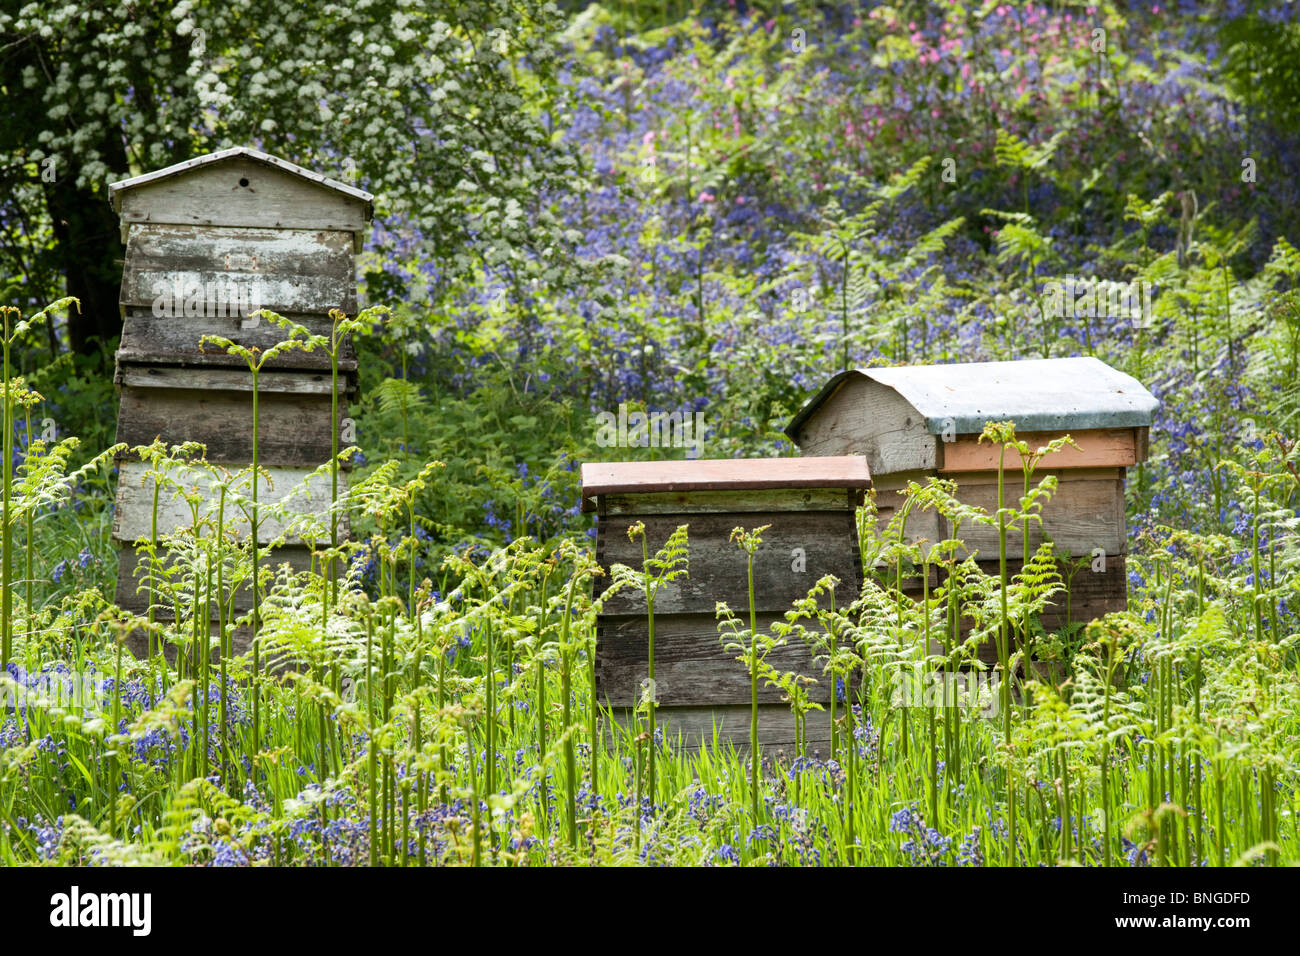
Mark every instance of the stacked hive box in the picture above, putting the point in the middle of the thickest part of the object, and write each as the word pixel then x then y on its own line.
pixel 810 504
pixel 207 242
pixel 915 422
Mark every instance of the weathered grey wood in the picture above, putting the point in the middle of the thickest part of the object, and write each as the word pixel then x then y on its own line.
pixel 183 272
pixel 1089 595
pixel 134 503
pixel 862 417
pixel 240 191
pixel 133 593
pixel 729 502
pixel 1088 505
pixel 690 727
pixel 1081 516
pixel 226 380
pixel 691 665
pixel 718 569
pixel 148 339
pixel 294 429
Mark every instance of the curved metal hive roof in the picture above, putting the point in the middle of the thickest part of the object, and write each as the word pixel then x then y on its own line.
pixel 1037 394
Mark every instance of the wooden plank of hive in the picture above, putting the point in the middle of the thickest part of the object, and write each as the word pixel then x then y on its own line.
pixel 292 270
pixel 226 380
pixel 690 662
pixel 164 340
pixel 131 563
pixel 1087 510
pixel 133 513
pixel 1081 516
pixel 718 566
pixel 294 428
pixel 694 725
pixel 1090 595
pixel 728 502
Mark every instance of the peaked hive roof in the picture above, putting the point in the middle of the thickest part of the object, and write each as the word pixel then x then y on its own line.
pixel 115 190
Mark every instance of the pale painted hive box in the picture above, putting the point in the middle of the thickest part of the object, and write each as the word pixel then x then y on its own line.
pixel 913 422
pixel 207 242
pixel 810 504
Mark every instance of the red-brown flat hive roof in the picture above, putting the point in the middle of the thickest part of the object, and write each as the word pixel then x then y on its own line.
pixel 720 474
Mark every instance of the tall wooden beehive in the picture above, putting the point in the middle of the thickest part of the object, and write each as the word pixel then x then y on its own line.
pixel 920 421
pixel 207 242
pixel 810 504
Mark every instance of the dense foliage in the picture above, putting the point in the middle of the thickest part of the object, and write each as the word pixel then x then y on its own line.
pixel 709 211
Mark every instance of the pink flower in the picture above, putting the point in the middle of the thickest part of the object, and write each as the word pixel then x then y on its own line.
pixel 740 200
pixel 706 197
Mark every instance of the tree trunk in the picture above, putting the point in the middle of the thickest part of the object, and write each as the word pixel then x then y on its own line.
pixel 89 253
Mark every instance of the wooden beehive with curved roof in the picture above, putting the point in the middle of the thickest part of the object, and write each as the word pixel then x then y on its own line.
pixel 913 422
pixel 208 242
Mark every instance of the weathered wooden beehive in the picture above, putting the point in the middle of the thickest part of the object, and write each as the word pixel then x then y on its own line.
pixel 810 504
pixel 209 241
pixel 920 421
